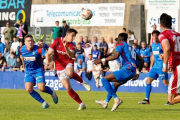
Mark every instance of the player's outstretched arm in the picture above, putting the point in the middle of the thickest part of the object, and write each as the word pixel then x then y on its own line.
pixel 152 61
pixel 48 58
pixel 166 53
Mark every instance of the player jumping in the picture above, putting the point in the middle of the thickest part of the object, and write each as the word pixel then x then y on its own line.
pixel 34 71
pixel 157 65
pixel 128 56
pixel 170 42
pixel 63 50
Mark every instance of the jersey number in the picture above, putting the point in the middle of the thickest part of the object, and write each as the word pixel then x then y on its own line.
pixel 133 53
pixel 177 43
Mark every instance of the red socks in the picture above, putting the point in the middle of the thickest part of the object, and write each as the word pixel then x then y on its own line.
pixel 74 96
pixel 76 77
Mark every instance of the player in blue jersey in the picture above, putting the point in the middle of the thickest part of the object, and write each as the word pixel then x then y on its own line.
pixel 156 68
pixel 128 71
pixel 34 71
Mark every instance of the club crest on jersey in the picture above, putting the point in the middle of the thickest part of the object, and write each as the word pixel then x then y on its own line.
pixel 29 58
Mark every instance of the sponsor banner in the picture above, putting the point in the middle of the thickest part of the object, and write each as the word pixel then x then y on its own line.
pixel 41 33
pixel 9 80
pixel 14 10
pixel 162 4
pixel 111 14
pixel 153 17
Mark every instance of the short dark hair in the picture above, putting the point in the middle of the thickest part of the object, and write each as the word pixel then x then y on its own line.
pixel 57 21
pixel 155 31
pixel 40 40
pixel 70 30
pixel 166 20
pixel 14 37
pixel 134 44
pixel 28 35
pixel 13 53
pixel 115 39
pixel 124 29
pixel 124 36
pixel 79 44
pixel 6 38
pixel 95 45
pixel 64 21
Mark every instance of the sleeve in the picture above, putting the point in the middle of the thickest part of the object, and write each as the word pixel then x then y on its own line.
pixel 52 30
pixel 162 37
pixel 53 45
pixel 3 31
pixel 119 49
pixel 8 62
pixel 14 31
pixel 106 45
pixel 107 65
pixel 14 63
pixel 148 53
pixel 41 51
pixel 83 65
pixel 46 46
pixel 140 51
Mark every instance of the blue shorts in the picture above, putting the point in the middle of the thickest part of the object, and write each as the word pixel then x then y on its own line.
pixel 124 74
pixel 157 72
pixel 35 77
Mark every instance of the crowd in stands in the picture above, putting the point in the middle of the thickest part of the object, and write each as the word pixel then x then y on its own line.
pixel 86 51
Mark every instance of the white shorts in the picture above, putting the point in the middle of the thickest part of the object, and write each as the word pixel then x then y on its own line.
pixel 62 74
pixel 174 83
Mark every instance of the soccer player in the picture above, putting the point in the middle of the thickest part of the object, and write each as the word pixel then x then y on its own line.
pixel 156 67
pixel 34 71
pixel 128 71
pixel 170 42
pixel 63 50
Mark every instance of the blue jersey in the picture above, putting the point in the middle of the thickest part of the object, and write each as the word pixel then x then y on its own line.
pixel 146 52
pixel 128 55
pixel 157 50
pixel 137 53
pixel 96 54
pixel 32 59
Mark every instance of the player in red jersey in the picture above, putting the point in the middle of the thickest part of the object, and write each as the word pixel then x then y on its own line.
pixel 170 42
pixel 63 50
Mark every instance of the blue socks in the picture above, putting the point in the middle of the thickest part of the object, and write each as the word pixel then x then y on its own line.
pixel 148 90
pixel 48 90
pixel 166 89
pixel 36 96
pixel 108 87
pixel 109 96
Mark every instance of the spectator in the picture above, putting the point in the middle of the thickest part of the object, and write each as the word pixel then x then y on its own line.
pixel 104 67
pixel 86 40
pixel 4 66
pixel 56 31
pixel 9 32
pixel 95 42
pixel 96 74
pixel 136 42
pixel 1 47
pixel 79 52
pixel 134 45
pixel 96 53
pixel 7 48
pixel 18 49
pixel 87 50
pixel 2 60
pixel 12 61
pixel 81 66
pixel 65 27
pixel 43 45
pixel 145 54
pixel 15 45
pixel 90 66
pixel 110 45
pixel 131 37
pixel 18 64
pixel 22 30
pixel 151 40
pixel 124 30
pixel 81 41
pixel 103 47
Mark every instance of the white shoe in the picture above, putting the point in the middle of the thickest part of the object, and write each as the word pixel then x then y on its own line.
pixel 82 106
pixel 102 103
pixel 86 85
pixel 45 105
pixel 116 104
pixel 55 97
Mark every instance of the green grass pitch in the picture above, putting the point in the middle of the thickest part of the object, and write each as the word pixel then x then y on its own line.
pixel 19 105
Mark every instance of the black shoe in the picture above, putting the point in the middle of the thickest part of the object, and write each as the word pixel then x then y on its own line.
pixel 168 103
pixel 145 101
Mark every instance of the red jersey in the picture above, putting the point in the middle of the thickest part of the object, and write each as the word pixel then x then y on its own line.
pixel 60 57
pixel 174 41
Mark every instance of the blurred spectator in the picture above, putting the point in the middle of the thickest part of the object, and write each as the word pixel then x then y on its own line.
pixel 4 66
pixel 134 45
pixel 104 67
pixel 151 40
pixel 56 31
pixel 110 45
pixel 2 60
pixel 95 42
pixel 18 64
pixel 22 30
pixel 136 42
pixel 79 52
pixel 15 45
pixel 114 65
pixel 87 50
pixel 1 47
pixel 124 30
pixel 86 40
pixel 81 67
pixel 18 49
pixel 90 66
pixel 9 32
pixel 65 27
pixel 43 45
pixel 12 61
pixel 81 41
pixel 131 37
pixel 145 54
pixel 96 53
pixel 96 74
pixel 103 47
pixel 7 48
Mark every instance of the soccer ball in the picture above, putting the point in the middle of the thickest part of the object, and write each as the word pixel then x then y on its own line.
pixel 86 14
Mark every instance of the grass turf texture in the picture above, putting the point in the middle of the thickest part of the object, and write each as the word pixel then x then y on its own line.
pixel 19 105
